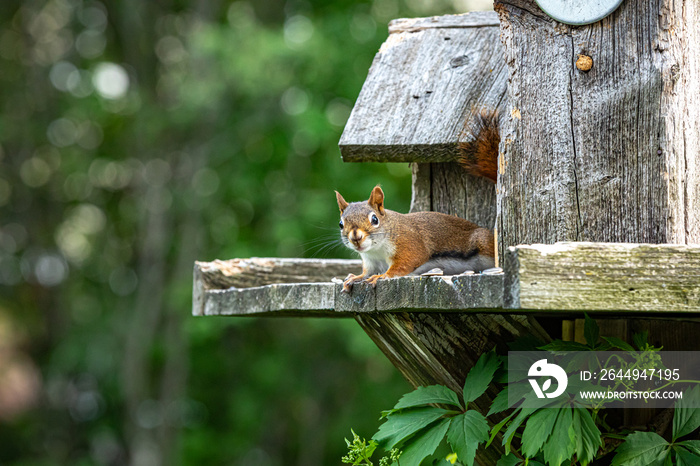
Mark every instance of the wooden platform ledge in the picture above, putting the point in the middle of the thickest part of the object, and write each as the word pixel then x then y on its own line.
pixel 569 277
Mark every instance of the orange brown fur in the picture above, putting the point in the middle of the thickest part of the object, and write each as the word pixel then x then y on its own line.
pixel 479 155
pixel 438 233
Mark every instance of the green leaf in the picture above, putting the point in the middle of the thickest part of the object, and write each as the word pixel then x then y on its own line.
pixel 500 403
pixel 400 425
pixel 560 445
pixel 509 460
pixel 692 445
pixel 591 331
pixel 497 428
pixel 668 461
pixel 587 435
pixel 641 449
pixel 538 429
pixel 685 457
pixel 467 431
pixel 618 343
pixel 519 419
pixel 426 395
pixel 686 417
pixel 480 376
pixel 424 443
pixel 640 339
pixel 564 346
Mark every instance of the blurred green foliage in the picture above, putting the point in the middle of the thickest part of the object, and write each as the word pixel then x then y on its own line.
pixel 135 138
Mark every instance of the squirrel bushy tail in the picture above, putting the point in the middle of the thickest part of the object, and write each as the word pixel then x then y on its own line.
pixel 479 155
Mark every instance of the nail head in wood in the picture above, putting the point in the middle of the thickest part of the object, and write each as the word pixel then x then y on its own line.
pixel 584 63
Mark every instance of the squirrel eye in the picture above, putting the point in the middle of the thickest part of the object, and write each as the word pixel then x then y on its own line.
pixel 375 221
pixel 341 224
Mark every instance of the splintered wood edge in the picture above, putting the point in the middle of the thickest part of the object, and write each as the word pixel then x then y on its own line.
pixel 465 20
pixel 258 271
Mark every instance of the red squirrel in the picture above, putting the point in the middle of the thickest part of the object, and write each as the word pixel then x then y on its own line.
pixel 392 244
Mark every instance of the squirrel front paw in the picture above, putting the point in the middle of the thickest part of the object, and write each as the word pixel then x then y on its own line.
pixel 349 281
pixel 373 280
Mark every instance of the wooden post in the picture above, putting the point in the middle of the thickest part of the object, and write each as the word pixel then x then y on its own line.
pixel 609 154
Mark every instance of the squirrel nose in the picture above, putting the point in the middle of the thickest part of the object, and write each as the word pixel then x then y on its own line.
pixel 356 236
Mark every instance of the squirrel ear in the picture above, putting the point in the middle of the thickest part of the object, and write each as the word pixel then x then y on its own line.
pixel 342 204
pixel 376 199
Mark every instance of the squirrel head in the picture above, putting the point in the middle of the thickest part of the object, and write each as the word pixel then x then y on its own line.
pixel 362 223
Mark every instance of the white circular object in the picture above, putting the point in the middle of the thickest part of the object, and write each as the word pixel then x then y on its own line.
pixel 578 12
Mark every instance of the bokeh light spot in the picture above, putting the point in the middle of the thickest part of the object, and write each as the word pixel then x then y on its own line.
pixel 338 111
pixel 62 132
pixel 35 172
pixel 111 81
pixel 298 30
pixel 294 101
pixel 50 270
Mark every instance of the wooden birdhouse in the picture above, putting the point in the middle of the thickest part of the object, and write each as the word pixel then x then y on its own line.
pixel 596 208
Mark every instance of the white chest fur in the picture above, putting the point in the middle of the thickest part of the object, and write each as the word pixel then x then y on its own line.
pixel 377 260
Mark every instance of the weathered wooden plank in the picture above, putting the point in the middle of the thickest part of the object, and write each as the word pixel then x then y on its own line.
pixel 421 199
pixel 411 294
pixel 404 294
pixel 455 192
pixel 267 286
pixel 609 154
pixel 603 277
pixel 281 299
pixel 257 272
pixel 466 20
pixel 567 278
pixel 424 83
pixel 446 188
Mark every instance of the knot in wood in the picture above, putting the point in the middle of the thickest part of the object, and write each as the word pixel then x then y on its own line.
pixel 459 61
pixel 584 63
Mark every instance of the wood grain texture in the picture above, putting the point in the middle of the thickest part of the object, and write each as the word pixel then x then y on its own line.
pixel 600 277
pixel 404 294
pixel 424 83
pixel 280 299
pixel 258 271
pixel 421 199
pixel 412 294
pixel 455 192
pixel 446 188
pixel 605 155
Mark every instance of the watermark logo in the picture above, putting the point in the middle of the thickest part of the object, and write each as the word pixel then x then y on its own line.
pixel 541 369
pixel 603 379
